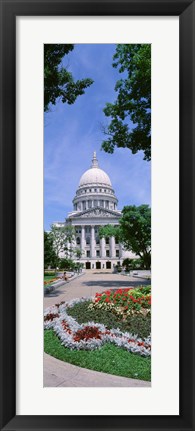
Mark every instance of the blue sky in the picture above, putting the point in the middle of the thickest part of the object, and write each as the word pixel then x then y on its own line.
pixel 73 132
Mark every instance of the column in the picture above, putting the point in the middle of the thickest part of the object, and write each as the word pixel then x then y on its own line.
pixel 103 247
pixel 83 242
pixel 112 247
pixel 120 250
pixel 92 247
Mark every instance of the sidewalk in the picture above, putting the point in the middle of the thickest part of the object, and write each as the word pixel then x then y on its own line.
pixel 61 374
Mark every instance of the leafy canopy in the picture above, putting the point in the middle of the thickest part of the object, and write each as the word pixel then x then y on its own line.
pixel 133 231
pixel 130 114
pixel 58 82
pixel 49 253
pixel 61 236
pixel 108 231
pixel 135 226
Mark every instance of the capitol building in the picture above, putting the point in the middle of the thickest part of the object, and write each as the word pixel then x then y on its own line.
pixel 94 206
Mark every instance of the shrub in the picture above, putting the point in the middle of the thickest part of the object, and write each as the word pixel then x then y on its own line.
pixel 136 324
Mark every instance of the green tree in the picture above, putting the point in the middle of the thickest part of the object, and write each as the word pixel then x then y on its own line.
pixel 109 230
pixel 130 114
pixel 58 81
pixel 135 228
pixel 66 264
pixel 61 237
pixel 78 253
pixel 133 231
pixel 49 253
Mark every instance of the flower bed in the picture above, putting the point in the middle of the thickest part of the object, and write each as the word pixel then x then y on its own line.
pixel 46 282
pixel 124 302
pixel 90 336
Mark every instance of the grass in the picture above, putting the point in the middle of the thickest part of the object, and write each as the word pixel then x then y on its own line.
pixel 136 324
pixel 108 359
pixel 48 277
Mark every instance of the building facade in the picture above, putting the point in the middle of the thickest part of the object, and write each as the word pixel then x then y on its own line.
pixel 95 205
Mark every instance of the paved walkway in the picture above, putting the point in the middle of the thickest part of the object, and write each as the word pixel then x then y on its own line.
pixel 59 373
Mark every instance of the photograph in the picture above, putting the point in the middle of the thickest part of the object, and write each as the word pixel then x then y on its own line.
pixel 97 215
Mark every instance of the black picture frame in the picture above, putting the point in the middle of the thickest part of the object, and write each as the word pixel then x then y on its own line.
pixel 185 9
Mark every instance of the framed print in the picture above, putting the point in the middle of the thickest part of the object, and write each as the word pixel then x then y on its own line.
pixel 43 157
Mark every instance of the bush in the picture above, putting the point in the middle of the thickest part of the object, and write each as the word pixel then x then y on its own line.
pixel 49 273
pixel 66 264
pixel 136 324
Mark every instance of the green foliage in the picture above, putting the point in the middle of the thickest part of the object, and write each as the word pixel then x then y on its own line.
pixel 66 264
pixel 49 252
pixel 130 114
pixel 128 264
pixel 136 324
pixel 58 82
pixel 131 264
pixel 143 291
pixel 135 229
pixel 61 236
pixel 49 274
pixel 118 268
pixel 78 252
pixel 108 359
pixel 108 231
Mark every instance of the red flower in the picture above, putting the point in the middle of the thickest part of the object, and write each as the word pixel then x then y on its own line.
pixel 87 333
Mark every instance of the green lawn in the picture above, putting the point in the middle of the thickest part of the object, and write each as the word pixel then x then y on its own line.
pixel 108 359
pixel 48 277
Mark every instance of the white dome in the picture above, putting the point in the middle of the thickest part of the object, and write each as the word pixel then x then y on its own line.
pixel 95 176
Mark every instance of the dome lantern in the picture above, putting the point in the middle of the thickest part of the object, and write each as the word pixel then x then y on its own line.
pixel 94 161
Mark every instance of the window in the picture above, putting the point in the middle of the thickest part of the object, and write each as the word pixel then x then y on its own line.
pixel 107 240
pixel 78 241
pixel 97 240
pixel 88 253
pixel 88 240
pixel 95 203
pixel 101 203
pixel 117 253
pixel 107 253
pixel 97 253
